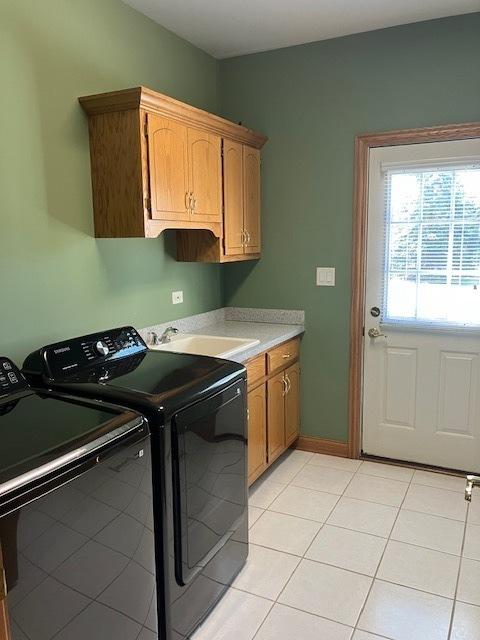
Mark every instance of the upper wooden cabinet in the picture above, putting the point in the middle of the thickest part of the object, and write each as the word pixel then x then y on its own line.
pixel 157 164
pixel 241 197
pixel 205 175
pixel 233 198
pixel 251 199
pixel 241 212
pixel 185 172
pixel 168 169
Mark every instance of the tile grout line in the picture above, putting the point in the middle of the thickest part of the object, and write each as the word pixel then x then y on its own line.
pixel 263 620
pixel 287 484
pixel 381 557
pixel 338 496
pixel 309 613
pixel 452 615
pixel 331 511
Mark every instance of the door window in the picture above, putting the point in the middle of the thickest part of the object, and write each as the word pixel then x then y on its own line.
pixel 432 245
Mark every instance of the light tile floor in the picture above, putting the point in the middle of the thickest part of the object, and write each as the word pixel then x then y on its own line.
pixel 349 550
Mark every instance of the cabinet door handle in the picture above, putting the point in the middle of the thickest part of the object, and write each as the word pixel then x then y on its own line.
pixel 193 202
pixel 289 384
pixel 249 237
pixel 285 387
pixel 242 235
pixel 187 200
pixel 286 356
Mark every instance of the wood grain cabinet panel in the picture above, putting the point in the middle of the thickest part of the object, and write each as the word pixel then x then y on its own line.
pixel 233 227
pixel 275 417
pixel 292 404
pixel 283 355
pixel 205 175
pixel 255 370
pixel 257 433
pixel 167 157
pixel 251 196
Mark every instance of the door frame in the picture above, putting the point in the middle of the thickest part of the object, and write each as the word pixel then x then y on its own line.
pixel 363 144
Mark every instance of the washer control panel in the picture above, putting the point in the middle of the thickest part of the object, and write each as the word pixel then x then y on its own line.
pixel 11 379
pixel 67 357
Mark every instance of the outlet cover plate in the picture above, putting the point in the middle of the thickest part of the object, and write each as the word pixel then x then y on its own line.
pixel 177 297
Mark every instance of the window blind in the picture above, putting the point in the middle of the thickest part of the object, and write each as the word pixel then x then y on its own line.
pixel 432 244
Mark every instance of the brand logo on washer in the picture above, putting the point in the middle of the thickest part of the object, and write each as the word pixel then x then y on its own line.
pixel 62 350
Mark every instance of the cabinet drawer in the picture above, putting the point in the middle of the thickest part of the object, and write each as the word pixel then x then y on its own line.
pixel 282 356
pixel 255 369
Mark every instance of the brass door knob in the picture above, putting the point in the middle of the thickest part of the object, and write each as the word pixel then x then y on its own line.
pixel 375 333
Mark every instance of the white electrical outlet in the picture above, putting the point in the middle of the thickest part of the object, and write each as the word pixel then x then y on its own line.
pixel 325 276
pixel 177 297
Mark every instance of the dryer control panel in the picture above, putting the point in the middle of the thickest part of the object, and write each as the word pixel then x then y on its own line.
pixel 61 359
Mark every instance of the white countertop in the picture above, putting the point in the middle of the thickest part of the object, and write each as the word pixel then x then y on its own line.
pixel 223 322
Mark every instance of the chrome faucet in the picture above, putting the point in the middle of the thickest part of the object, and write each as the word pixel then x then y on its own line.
pixel 153 339
pixel 167 334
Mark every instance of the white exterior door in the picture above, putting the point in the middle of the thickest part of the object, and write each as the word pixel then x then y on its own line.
pixel 421 384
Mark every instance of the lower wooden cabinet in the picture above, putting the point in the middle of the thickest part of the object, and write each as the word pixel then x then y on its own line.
pixel 276 416
pixel 273 407
pixel 257 433
pixel 292 404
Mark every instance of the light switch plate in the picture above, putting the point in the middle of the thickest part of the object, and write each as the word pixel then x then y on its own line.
pixel 177 297
pixel 325 276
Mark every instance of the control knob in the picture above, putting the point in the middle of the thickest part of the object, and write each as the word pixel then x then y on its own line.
pixel 101 348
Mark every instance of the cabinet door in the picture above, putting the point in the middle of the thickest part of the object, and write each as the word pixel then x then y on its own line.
pixel 167 159
pixel 251 196
pixel 233 197
pixel 275 417
pixel 292 404
pixel 257 433
pixel 205 175
pixel 4 624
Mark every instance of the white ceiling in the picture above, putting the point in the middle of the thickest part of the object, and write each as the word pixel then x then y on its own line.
pixel 226 28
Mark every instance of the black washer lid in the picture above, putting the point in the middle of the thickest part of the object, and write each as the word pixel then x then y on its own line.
pixel 38 428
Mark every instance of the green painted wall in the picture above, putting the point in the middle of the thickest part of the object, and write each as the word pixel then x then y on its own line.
pixel 311 100
pixel 56 280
